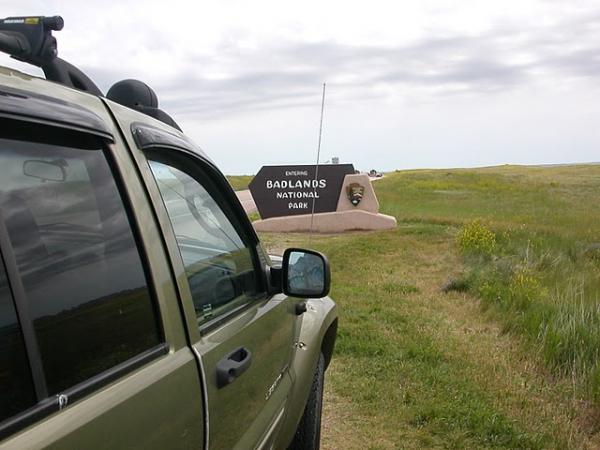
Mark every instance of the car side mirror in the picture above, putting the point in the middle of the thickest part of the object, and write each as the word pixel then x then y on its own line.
pixel 305 273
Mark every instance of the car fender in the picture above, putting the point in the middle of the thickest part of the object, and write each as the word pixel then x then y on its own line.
pixel 317 333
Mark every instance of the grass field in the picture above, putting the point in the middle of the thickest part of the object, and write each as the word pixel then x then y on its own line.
pixel 239 182
pixel 474 324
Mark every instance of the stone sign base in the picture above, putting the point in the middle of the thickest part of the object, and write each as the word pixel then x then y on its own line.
pixel 332 222
pixel 347 217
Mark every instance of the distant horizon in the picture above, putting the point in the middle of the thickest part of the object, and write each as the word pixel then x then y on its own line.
pixel 591 163
pixel 416 85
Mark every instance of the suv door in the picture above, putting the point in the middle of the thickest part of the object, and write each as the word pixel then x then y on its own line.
pixel 89 325
pixel 232 321
pixel 243 336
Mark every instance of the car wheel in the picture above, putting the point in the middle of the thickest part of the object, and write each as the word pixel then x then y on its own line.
pixel 308 433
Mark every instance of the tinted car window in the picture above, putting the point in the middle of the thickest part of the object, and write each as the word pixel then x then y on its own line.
pixel 16 386
pixel 77 258
pixel 218 265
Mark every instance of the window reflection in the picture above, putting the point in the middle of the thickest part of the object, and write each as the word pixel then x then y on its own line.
pixel 16 386
pixel 218 265
pixel 78 260
pixel 305 273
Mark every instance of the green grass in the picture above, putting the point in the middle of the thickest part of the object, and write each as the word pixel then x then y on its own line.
pixel 239 182
pixel 529 242
pixel 474 324
pixel 543 199
pixel 254 216
pixel 400 364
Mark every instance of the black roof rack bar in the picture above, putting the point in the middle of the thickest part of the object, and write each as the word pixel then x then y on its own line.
pixel 29 39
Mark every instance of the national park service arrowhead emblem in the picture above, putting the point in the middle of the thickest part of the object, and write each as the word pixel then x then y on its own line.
pixel 355 193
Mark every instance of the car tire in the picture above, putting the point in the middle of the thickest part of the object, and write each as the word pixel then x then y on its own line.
pixel 308 433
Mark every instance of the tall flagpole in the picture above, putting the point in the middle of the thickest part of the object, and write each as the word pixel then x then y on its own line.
pixel 312 214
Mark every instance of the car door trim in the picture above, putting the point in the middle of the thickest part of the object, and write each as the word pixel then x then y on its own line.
pixel 19 296
pixel 204 396
pixel 30 107
pixel 210 325
pixel 146 137
pixel 262 445
pixel 53 404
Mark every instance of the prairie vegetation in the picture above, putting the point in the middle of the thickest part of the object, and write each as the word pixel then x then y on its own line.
pixel 239 182
pixel 530 241
pixel 474 324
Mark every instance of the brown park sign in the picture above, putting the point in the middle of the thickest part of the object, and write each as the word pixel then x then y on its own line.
pixel 290 190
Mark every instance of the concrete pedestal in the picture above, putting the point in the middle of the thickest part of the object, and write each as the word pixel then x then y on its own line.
pixel 347 217
pixel 333 222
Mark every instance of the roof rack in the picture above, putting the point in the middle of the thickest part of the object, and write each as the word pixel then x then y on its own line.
pixel 29 39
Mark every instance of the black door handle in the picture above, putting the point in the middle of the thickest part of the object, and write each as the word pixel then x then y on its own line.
pixel 233 365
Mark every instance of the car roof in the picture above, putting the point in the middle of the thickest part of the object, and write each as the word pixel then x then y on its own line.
pixel 87 111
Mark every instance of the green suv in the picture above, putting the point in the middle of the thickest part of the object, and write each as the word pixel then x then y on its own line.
pixel 138 309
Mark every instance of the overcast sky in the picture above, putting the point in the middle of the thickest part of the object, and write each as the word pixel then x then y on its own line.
pixel 409 84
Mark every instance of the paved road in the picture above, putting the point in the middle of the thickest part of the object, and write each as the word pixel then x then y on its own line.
pixel 247 201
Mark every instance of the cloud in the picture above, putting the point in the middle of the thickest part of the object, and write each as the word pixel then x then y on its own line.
pixel 286 73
